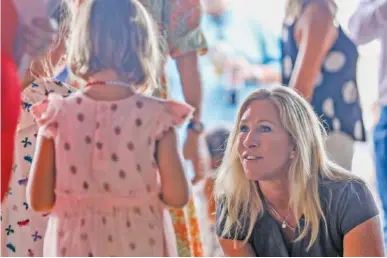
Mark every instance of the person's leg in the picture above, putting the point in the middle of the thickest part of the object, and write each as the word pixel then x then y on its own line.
pixel 340 148
pixel 380 147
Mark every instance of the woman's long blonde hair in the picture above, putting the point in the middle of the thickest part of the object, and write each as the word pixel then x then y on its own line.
pixel 118 35
pixel 239 197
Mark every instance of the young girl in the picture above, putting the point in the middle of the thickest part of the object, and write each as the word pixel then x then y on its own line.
pixel 106 161
pixel 181 39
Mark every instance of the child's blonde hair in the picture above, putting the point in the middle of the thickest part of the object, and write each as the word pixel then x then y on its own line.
pixel 48 65
pixel 116 35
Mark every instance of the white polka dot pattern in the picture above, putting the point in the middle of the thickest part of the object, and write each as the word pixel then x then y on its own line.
pixel 285 34
pixel 336 124
pixel 328 107
pixel 288 66
pixel 319 80
pixel 334 62
pixel 358 130
pixel 349 92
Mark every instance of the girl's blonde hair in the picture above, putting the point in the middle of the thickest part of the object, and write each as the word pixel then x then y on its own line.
pixel 239 197
pixel 116 35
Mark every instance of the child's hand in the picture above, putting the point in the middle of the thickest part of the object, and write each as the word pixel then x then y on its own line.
pixel 39 37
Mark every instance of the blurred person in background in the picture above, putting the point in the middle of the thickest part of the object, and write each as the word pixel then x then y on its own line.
pixel 242 55
pixel 369 22
pixel 320 62
pixel 22 230
pixel 10 91
pixel 18 39
pixel 179 21
pixel 216 140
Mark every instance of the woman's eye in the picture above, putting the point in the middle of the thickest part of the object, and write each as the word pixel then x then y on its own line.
pixel 243 128
pixel 264 128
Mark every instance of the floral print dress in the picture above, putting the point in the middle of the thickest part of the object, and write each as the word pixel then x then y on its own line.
pixel 23 230
pixel 179 23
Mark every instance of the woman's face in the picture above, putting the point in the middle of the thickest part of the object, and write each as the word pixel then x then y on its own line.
pixel 264 147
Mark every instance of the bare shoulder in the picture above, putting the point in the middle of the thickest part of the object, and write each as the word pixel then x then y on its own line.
pixel 321 11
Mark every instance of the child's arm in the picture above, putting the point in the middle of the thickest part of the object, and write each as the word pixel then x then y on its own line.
pixel 174 186
pixel 41 182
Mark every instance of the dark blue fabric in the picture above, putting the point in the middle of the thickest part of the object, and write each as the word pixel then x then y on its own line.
pixel 347 115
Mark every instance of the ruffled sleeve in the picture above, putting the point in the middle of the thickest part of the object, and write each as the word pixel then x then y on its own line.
pixel 46 115
pixel 173 114
pixel 184 33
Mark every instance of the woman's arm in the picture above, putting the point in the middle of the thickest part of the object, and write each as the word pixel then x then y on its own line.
pixel 192 88
pixel 359 221
pixel 185 42
pixel 234 248
pixel 365 239
pixel 315 34
pixel 190 79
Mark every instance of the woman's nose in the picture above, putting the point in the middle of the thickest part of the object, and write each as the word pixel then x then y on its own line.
pixel 252 145
pixel 251 141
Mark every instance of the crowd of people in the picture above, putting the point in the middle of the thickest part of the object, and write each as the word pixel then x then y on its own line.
pixel 187 128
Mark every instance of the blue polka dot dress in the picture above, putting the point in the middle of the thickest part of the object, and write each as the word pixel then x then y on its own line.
pixel 336 97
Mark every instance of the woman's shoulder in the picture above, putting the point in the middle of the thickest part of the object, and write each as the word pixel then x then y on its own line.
pixel 348 201
pixel 338 187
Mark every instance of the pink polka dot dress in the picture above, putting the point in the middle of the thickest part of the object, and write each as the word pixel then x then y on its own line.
pixel 107 184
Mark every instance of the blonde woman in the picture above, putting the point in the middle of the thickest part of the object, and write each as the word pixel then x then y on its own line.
pixel 320 61
pixel 278 193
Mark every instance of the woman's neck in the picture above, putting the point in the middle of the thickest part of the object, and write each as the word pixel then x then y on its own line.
pixel 276 192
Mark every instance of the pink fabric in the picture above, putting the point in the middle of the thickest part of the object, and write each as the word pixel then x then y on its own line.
pixel 107 189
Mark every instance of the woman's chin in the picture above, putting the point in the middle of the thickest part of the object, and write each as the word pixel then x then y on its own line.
pixel 256 175
pixel 253 175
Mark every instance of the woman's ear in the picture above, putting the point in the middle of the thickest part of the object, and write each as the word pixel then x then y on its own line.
pixel 293 148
